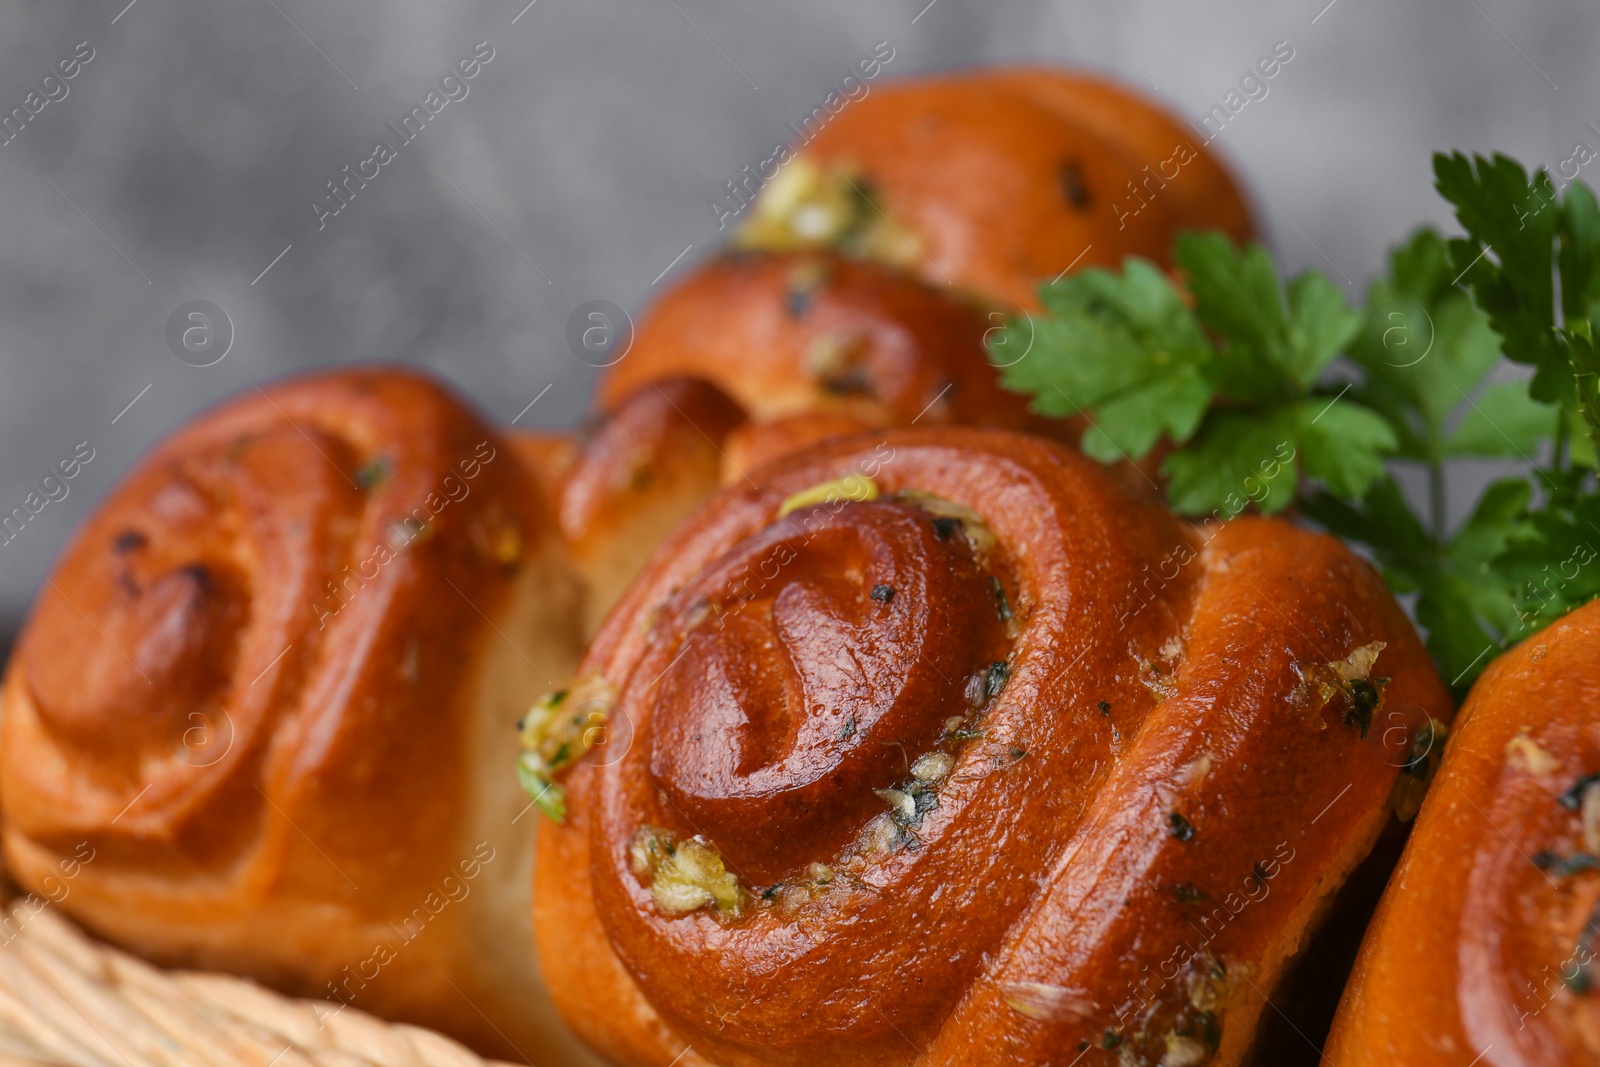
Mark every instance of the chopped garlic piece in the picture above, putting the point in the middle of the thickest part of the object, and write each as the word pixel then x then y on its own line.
pixel 855 486
pixel 1591 817
pixel 879 835
pixel 1524 753
pixel 1038 1000
pixel 804 206
pixel 1184 1052
pixel 820 873
pixel 557 732
pixel 1358 665
pixel 932 766
pixel 900 802
pixel 684 876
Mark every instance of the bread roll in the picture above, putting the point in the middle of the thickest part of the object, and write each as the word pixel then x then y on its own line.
pixel 946 746
pixel 994 181
pixel 1484 948
pixel 787 334
pixel 264 706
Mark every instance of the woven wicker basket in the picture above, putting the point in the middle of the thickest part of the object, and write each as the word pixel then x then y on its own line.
pixel 65 999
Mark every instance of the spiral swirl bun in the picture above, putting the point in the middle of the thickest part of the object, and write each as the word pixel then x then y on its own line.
pixel 1487 943
pixel 259 685
pixel 945 743
pixel 776 717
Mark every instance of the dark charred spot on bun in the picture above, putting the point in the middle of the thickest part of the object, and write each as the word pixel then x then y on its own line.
pixel 200 576
pixel 1072 186
pixel 128 541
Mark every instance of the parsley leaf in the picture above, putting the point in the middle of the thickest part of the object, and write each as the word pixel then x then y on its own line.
pixel 1508 258
pixel 1503 422
pixel 1128 349
pixel 1240 378
pixel 1423 345
pixel 1271 346
pixel 1546 563
pixel 1125 346
pixel 1241 459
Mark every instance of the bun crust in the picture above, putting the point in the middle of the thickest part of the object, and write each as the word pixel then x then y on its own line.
pixel 270 688
pixel 949 778
pixel 789 333
pixel 1484 944
pixel 1204 194
pixel 994 181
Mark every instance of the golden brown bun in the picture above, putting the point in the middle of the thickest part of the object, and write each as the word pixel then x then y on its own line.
pixel 637 472
pixel 1202 193
pixel 270 688
pixel 1164 776
pixel 994 181
pixel 1485 945
pixel 789 333
pixel 753 445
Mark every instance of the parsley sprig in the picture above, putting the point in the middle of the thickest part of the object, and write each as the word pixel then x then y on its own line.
pixel 1236 379
pixel 1271 394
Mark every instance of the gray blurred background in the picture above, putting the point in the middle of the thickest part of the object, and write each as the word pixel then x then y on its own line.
pixel 184 158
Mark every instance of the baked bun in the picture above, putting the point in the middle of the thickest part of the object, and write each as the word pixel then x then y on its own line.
pixel 1485 946
pixel 786 334
pixel 994 181
pixel 1201 191
pixel 264 706
pixel 635 474
pixel 755 355
pixel 947 746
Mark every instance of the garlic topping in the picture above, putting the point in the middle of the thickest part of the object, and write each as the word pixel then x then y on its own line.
pixel 684 876
pixel 557 732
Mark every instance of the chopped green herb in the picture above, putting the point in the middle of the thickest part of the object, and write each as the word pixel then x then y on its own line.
pixel 1204 1026
pixel 1110 1040
pixel 553 740
pixel 987 683
pixel 1105 707
pixel 849 728
pixel 372 475
pixel 1002 605
pixel 1364 698
pixel 1425 750
pixel 1572 799
pixel 1562 866
pixel 1582 979
pixel 550 797
pixel 999 674
pixel 1180 827
pixel 944 526
pixel 1187 893
pixel 882 593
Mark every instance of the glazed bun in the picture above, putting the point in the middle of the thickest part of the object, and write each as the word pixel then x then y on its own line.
pixel 1199 188
pixel 792 333
pixel 630 477
pixel 264 706
pixel 946 746
pixel 994 181
pixel 1486 946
